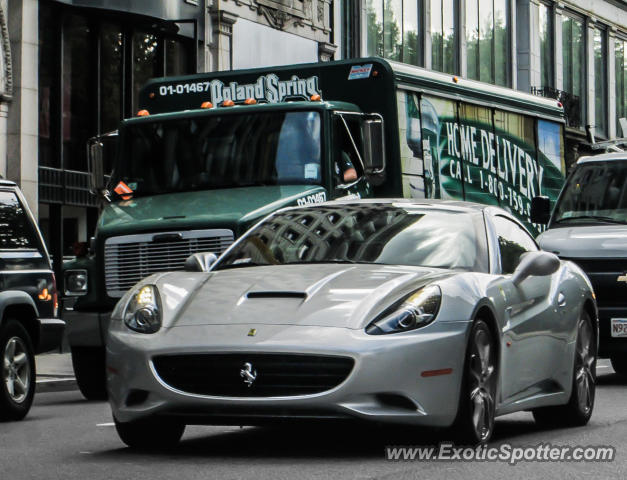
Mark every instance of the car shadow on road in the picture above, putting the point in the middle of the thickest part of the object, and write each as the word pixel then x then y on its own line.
pixel 612 379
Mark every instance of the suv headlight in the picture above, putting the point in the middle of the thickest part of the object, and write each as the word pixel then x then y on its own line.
pixel 417 310
pixel 75 282
pixel 143 312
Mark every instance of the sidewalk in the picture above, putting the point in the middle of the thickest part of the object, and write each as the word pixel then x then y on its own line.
pixel 55 372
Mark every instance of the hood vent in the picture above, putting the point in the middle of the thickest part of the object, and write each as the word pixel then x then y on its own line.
pixel 277 294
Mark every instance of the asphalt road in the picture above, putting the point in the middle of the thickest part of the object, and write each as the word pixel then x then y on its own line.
pixel 65 437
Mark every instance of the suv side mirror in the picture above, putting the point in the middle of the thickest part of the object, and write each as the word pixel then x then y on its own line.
pixel 535 264
pixel 540 210
pixel 200 262
pixel 95 164
pixel 374 146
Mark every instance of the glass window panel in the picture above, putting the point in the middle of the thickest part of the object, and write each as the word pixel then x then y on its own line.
pixel 177 57
pixel 374 12
pixel 449 37
pixel 472 38
pixel 600 84
pixel 411 40
pixel 567 61
pixel 501 43
pixel 546 45
pixel 619 59
pixel 47 71
pixel 110 76
pixel 76 87
pixel 486 35
pixel 436 35
pixel 146 64
pixel 393 29
pixel 579 66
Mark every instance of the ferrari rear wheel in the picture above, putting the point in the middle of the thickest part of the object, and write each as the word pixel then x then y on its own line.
pixel 579 408
pixel 150 433
pixel 475 420
pixel 619 364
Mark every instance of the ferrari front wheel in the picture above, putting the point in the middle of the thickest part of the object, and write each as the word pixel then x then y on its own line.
pixel 475 420
pixel 578 410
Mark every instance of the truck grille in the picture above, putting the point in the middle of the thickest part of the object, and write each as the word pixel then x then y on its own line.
pixel 603 274
pixel 129 258
pixel 276 375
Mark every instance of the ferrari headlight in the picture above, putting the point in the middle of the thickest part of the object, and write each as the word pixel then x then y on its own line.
pixel 143 312
pixel 417 310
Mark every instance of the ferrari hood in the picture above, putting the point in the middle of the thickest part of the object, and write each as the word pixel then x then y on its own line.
pixel 332 295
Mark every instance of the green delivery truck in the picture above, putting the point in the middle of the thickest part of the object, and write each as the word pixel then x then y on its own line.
pixel 211 154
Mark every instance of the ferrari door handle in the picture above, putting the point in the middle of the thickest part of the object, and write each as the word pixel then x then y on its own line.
pixel 561 300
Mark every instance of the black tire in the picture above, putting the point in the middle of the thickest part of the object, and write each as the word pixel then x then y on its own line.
pixel 89 370
pixel 619 364
pixel 150 433
pixel 17 365
pixel 578 410
pixel 478 392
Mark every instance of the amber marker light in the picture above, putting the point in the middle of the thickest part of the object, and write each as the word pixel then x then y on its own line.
pixel 250 101
pixel 44 295
pixel 228 103
pixel 151 95
pixel 435 373
pixel 315 98
pixel 143 113
pixel 456 79
pixel 206 105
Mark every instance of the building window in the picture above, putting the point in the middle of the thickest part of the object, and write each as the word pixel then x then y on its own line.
pixel 444 35
pixel 487 41
pixel 393 30
pixel 600 82
pixel 621 85
pixel 574 68
pixel 349 14
pixel 546 46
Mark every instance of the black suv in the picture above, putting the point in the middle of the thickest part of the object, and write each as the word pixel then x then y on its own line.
pixel 28 303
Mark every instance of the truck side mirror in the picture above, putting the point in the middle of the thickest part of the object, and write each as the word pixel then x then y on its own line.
pixel 95 164
pixel 540 210
pixel 374 146
pixel 200 262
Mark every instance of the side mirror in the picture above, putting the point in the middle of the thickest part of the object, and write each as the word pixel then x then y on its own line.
pixel 540 210
pixel 95 165
pixel 200 262
pixel 374 146
pixel 535 264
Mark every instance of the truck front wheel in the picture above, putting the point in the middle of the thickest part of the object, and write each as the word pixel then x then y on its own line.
pixel 89 370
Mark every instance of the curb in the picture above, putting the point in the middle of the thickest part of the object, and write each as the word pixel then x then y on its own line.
pixel 55 384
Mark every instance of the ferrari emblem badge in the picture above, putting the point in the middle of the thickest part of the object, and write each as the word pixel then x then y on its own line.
pixel 252 332
pixel 622 278
pixel 248 374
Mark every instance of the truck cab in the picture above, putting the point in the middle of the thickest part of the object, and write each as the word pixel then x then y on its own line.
pixel 589 227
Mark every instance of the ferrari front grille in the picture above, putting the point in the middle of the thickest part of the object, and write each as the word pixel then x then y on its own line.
pixel 252 375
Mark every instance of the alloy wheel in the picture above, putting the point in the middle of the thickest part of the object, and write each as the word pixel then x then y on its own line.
pixel 584 364
pixel 482 368
pixel 16 369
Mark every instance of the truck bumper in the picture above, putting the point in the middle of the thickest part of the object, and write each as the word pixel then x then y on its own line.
pixel 86 329
pixel 50 334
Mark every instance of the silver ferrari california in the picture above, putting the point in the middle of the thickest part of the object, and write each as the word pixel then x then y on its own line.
pixel 440 314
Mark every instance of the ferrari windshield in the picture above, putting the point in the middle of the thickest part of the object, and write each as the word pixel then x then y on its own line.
pixel 221 151
pixel 365 233
pixel 595 193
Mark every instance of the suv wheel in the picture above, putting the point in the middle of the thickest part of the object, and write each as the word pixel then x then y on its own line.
pixel 89 370
pixel 17 382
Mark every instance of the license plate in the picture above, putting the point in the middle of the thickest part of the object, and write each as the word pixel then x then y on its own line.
pixel 619 327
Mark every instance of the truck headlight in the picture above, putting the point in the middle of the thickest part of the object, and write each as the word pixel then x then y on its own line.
pixel 143 312
pixel 417 310
pixel 75 282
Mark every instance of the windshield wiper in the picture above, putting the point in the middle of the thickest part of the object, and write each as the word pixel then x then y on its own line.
pixel 591 217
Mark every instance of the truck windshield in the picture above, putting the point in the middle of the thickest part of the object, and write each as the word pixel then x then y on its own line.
pixel 221 151
pixel 595 193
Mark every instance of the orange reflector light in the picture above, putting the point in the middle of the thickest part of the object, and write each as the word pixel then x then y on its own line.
pixel 206 105
pixel 559 104
pixel 151 95
pixel 228 103
pixel 44 295
pixel 250 101
pixel 375 73
pixel 456 79
pixel 315 98
pixel 143 113
pixel 435 373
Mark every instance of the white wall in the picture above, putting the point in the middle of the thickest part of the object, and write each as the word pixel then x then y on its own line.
pixel 256 45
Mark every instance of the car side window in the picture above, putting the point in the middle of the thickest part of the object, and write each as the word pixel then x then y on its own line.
pixel 16 231
pixel 513 242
